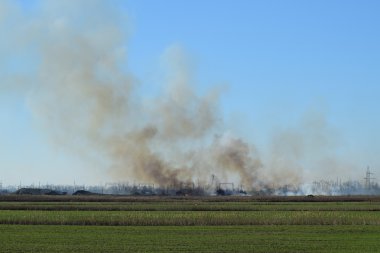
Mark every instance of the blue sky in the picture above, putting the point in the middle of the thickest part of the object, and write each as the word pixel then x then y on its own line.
pixel 278 57
pixel 281 61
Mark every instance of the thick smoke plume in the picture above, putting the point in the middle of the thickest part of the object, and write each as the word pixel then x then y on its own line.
pixel 79 89
pixel 88 103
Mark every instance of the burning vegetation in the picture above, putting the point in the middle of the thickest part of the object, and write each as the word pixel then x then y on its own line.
pixel 213 188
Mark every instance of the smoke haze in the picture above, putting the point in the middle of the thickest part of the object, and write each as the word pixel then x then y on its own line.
pixel 79 92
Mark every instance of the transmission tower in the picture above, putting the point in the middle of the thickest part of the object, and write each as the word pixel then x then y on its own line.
pixel 368 178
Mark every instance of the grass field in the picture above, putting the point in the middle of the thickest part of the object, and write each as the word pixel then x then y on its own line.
pixel 188 225
pixel 43 238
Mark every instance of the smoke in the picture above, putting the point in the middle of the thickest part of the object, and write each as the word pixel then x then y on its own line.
pixel 306 151
pixel 234 154
pixel 83 97
pixel 183 113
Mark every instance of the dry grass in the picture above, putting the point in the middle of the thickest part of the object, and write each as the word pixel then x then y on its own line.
pixel 189 218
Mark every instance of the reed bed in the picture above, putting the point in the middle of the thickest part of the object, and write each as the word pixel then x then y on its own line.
pixel 189 218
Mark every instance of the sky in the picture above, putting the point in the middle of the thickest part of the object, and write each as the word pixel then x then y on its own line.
pixel 286 70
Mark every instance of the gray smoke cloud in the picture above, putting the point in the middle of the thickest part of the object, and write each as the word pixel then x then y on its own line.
pixel 82 96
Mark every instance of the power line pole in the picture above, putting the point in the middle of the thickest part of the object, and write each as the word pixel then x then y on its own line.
pixel 368 179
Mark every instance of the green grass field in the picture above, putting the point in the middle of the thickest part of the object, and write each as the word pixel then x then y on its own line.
pixel 44 238
pixel 188 225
